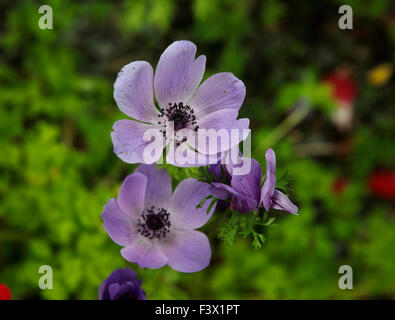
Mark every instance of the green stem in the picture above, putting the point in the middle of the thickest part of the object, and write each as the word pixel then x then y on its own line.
pixel 287 125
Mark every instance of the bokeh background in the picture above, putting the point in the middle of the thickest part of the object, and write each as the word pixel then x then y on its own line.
pixel 57 168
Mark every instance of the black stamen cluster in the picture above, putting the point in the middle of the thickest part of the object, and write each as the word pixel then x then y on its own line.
pixel 181 115
pixel 154 223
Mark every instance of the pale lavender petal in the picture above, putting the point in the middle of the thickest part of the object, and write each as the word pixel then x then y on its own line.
pixel 187 250
pixel 220 91
pixel 119 226
pixel 158 191
pixel 234 162
pixel 282 202
pixel 250 183
pixel 221 119
pixel 178 74
pixel 131 195
pixel 265 197
pixel 129 144
pixel 270 182
pixel 220 131
pixel 185 156
pixel 188 194
pixel 133 91
pixel 220 192
pixel 147 254
pixel 223 191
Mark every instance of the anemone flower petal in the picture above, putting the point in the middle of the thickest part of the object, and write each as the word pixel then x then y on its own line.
pixel 270 182
pixel 122 284
pixel 219 192
pixel 220 91
pixel 158 191
pixel 240 202
pixel 243 204
pixel 131 195
pixel 221 131
pixel 265 197
pixel 185 156
pixel 123 275
pixel 178 74
pixel 146 254
pixel 282 202
pixel 183 204
pixel 187 250
pixel 133 91
pixel 119 226
pixel 223 191
pixel 129 137
pixel 249 184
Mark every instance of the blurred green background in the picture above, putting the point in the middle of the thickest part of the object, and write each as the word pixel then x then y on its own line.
pixel 57 168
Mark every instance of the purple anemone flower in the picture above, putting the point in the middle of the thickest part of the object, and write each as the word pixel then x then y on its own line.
pixel 245 190
pixel 157 227
pixel 121 284
pixel 271 197
pixel 183 106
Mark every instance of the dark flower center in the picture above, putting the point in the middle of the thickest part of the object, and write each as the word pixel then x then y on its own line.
pixel 180 120
pixel 181 115
pixel 154 223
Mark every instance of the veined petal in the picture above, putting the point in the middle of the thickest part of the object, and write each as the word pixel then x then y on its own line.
pixel 133 91
pixel 221 119
pixel 178 74
pixel 158 191
pixel 131 195
pixel 270 182
pixel 249 184
pixel 187 250
pixel 220 91
pixel 119 226
pixel 265 197
pixel 129 143
pixel 188 194
pixel 243 204
pixel 147 254
pixel 185 156
pixel 219 192
pixel 240 202
pixel 220 131
pixel 223 191
pixel 282 202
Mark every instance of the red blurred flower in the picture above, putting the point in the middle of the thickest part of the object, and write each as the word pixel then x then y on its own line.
pixel 382 184
pixel 338 186
pixel 5 293
pixel 344 88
